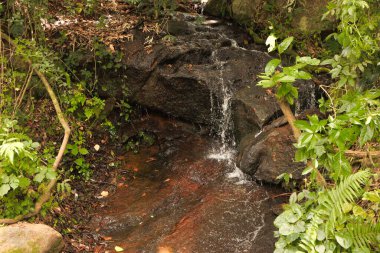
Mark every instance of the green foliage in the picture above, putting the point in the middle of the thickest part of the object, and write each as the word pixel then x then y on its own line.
pixel 283 80
pixel 157 6
pixel 22 173
pixel 343 218
pixel 358 25
pixel 329 220
pixel 357 122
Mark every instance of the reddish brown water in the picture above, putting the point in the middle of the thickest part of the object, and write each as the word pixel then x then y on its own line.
pixel 172 198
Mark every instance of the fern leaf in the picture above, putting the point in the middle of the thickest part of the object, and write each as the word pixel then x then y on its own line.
pixel 348 191
pixel 363 234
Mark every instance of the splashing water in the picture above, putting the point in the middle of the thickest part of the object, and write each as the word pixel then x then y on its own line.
pixel 226 150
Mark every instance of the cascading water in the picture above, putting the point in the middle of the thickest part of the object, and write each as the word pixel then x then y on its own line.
pixel 222 119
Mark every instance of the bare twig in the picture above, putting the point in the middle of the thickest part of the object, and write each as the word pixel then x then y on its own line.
pixel 47 191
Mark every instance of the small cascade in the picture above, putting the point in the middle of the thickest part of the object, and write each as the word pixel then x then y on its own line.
pixel 222 118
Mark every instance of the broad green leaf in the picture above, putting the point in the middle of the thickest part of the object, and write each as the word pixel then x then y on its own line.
pixel 304 75
pixel 285 44
pixel 286 79
pixel 302 124
pixel 266 83
pixel 39 177
pixel 372 196
pixel 321 235
pixel 51 174
pixel 24 182
pixel 271 42
pixel 346 207
pixel 359 211
pixel 271 66
pixel 4 189
pixel 286 229
pixel 83 151
pixel 344 240
pixel 293 198
pixel 366 134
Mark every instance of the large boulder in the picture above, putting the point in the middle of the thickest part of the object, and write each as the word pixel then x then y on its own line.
pixel 298 16
pixel 269 154
pixel 190 75
pixel 30 238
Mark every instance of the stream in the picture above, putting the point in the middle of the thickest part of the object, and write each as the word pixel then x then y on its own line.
pixel 181 200
pixel 185 193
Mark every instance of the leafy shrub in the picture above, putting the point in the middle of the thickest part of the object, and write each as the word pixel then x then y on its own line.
pixel 22 172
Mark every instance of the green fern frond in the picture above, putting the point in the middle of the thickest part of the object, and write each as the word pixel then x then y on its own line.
pixel 330 208
pixel 348 191
pixel 363 234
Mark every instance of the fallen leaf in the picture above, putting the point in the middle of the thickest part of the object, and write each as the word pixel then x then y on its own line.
pixel 119 249
pixel 104 194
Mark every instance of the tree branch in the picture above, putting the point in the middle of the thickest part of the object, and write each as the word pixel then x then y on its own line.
pixel 285 108
pixel 47 191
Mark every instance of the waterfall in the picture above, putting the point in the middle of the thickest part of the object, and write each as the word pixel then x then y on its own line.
pixel 222 119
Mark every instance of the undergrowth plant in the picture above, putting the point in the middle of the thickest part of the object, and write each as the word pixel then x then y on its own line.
pixel 25 165
pixel 342 214
pixel 23 172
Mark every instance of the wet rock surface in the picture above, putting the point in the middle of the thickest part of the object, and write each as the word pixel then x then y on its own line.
pixel 268 155
pixel 189 72
pixel 179 200
pixel 30 238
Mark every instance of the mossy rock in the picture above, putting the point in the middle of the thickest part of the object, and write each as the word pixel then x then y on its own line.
pixel 302 18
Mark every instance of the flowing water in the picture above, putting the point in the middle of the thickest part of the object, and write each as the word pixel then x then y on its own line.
pixel 185 194
pixel 222 117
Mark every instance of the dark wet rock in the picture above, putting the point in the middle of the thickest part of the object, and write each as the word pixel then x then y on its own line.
pixel 186 77
pixel 269 154
pixel 30 238
pixel 300 17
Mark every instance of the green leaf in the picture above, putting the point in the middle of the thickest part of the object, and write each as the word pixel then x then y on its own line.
pixel 51 174
pixel 344 240
pixel 308 60
pixel 24 182
pixel 286 79
pixel 83 151
pixel 4 189
pixel 266 83
pixel 271 66
pixel 366 134
pixel 286 229
pixel 304 75
pixel 39 177
pixel 372 196
pixel 285 44
pixel 307 170
pixel 320 248
pixel 271 42
pixel 346 207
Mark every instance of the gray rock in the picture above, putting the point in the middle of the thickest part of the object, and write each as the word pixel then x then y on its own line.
pixel 270 154
pixel 33 238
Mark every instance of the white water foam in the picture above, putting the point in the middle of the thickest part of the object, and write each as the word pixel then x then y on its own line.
pixel 225 151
